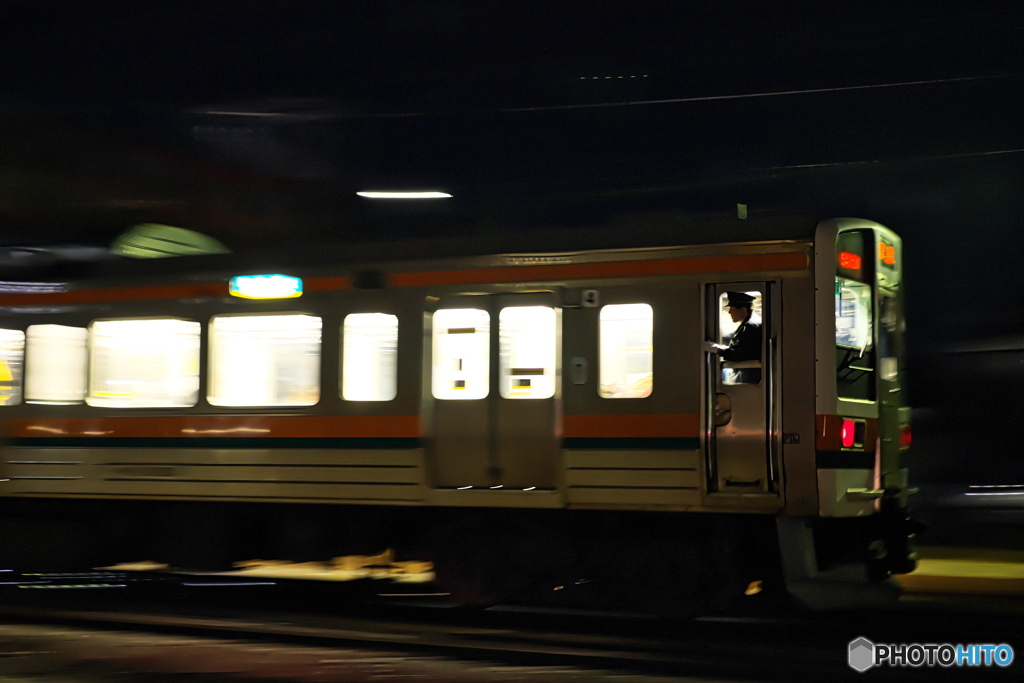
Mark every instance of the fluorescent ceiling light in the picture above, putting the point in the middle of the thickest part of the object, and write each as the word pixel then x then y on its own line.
pixel 404 195
pixel 152 240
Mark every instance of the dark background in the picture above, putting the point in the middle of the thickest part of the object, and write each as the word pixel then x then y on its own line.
pixel 257 122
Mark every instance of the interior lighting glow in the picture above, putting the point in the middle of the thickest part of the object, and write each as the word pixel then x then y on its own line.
pixel 12 360
pixel 849 260
pixel 148 363
pixel 527 352
pixel 404 195
pixel 369 357
pixel 265 360
pixel 58 362
pixel 265 286
pixel 848 433
pixel 626 351
pixel 461 354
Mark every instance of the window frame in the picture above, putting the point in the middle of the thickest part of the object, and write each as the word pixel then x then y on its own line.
pixel 208 376
pixel 867 276
pixel 552 376
pixel 20 396
pixel 84 378
pixel 435 345
pixel 600 352
pixel 341 357
pixel 90 365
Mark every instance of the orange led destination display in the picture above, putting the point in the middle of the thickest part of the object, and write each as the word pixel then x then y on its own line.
pixel 887 254
pixel 849 260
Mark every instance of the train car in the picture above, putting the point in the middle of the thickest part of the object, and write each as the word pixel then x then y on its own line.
pixel 547 417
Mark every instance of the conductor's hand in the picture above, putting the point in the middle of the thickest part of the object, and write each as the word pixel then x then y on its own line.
pixel 712 347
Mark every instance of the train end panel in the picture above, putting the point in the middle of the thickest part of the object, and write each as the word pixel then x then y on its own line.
pixel 830 586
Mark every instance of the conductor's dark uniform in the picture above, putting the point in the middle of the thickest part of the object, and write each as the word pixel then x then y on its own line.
pixel 745 343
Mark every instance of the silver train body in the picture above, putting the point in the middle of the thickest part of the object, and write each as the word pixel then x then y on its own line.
pixel 568 388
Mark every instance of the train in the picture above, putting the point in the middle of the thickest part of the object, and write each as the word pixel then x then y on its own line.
pixel 547 416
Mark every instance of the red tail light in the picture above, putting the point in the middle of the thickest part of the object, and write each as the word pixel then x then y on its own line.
pixel 905 436
pixel 848 433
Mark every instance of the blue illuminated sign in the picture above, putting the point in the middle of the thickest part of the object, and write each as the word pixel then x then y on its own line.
pixel 265 286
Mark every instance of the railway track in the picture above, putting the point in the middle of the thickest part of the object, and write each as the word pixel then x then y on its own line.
pixel 240 642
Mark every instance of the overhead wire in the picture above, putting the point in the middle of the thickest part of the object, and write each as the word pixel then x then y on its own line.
pixel 712 98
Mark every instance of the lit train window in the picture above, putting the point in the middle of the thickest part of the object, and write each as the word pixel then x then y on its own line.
pixel 741 362
pixel 527 352
pixel 265 360
pixel 55 364
pixel 854 294
pixel 726 326
pixel 627 353
pixel 853 314
pixel 12 361
pixel 461 354
pixel 143 363
pixel 369 357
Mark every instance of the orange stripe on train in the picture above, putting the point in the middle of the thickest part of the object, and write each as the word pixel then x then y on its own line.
pixel 290 426
pixel 670 425
pixel 606 269
pixel 577 271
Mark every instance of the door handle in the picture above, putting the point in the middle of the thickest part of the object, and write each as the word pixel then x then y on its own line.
pixel 723 409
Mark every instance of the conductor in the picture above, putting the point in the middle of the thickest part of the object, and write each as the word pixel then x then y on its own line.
pixel 745 343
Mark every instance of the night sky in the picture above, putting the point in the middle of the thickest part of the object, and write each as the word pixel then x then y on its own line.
pixel 256 123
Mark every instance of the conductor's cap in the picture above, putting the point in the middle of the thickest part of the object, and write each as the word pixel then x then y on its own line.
pixel 739 300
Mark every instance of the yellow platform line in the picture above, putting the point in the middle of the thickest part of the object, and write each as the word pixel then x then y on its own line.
pixel 913 583
pixel 973 572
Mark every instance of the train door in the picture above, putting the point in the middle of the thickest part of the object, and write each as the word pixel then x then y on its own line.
pixel 493 391
pixel 740 379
